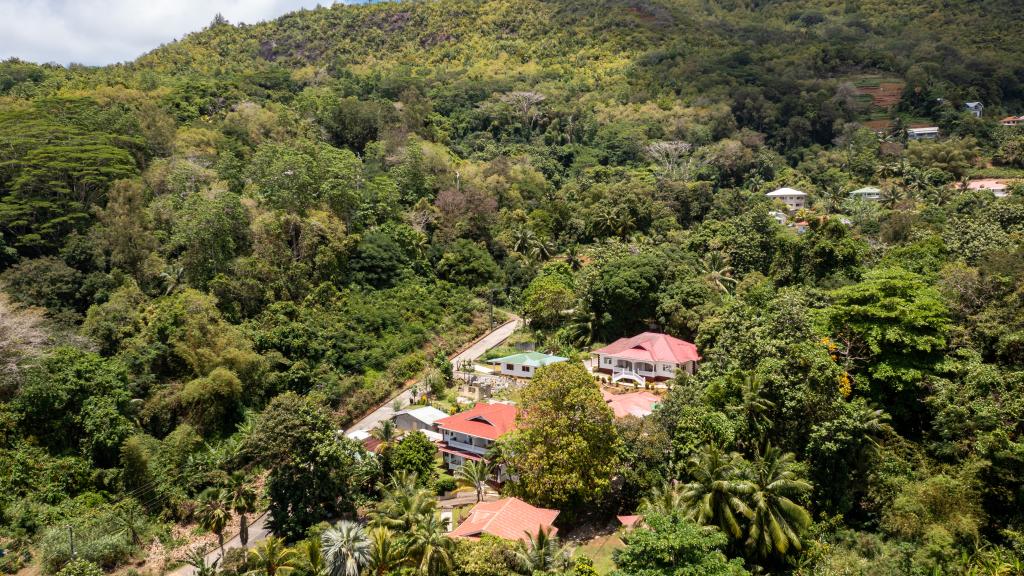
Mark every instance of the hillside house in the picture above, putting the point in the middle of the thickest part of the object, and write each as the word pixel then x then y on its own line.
pixel 422 418
pixel 1012 121
pixel 792 198
pixel 975 108
pixel 871 193
pixel 926 133
pixel 508 518
pixel 469 435
pixel 999 188
pixel 525 364
pixel 645 357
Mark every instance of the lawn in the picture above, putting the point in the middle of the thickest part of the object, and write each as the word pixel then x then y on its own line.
pixel 600 550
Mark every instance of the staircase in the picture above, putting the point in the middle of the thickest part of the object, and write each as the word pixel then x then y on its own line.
pixel 620 374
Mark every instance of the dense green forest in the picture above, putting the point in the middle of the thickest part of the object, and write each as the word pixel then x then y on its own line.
pixel 216 256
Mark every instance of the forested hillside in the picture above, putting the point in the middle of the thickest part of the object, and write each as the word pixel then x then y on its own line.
pixel 215 257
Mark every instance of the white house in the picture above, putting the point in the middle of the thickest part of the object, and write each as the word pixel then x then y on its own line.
pixel 524 365
pixel 867 193
pixel 793 199
pixel 647 356
pixel 779 216
pixel 469 435
pixel 976 108
pixel 422 418
pixel 927 133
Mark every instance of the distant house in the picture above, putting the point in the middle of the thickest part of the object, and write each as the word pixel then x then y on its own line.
pixel 926 133
pixel 508 518
pixel 647 356
pixel 779 217
pixel 422 418
pixel 867 193
pixel 640 404
pixel 999 188
pixel 469 435
pixel 1012 121
pixel 793 199
pixel 525 364
pixel 976 108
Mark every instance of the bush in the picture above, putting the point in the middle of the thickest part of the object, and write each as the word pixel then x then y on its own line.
pixel 445 484
pixel 80 568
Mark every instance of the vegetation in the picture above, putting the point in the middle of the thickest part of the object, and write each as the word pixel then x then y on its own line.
pixel 215 257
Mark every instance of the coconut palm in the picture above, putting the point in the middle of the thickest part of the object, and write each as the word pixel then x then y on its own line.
pixel 753 406
pixel 386 432
pixel 540 553
pixel 714 496
pixel 386 552
pixel 777 520
pixel 310 559
pixel 430 549
pixel 346 548
pixel 718 272
pixel 214 514
pixel 664 499
pixel 473 475
pixel 403 504
pixel 272 558
pixel 242 501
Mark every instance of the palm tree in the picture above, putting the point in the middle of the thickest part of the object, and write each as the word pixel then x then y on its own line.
pixel 385 551
pixel 753 406
pixel 403 504
pixel 214 514
pixel 664 499
pixel 345 548
pixel 540 553
pixel 242 501
pixel 572 257
pixel 272 558
pixel 386 432
pixel 714 494
pixel 474 474
pixel 311 559
pixel 718 272
pixel 430 548
pixel 777 520
pixel 197 560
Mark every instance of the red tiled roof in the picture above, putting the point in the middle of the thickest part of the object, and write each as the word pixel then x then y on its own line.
pixel 508 518
pixel 629 521
pixel 637 404
pixel 483 421
pixel 654 347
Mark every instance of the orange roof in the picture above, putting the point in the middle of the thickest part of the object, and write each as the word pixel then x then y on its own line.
pixel 488 421
pixel 652 346
pixel 629 521
pixel 508 518
pixel 637 404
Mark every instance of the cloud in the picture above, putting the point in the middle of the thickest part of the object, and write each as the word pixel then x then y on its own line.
pixel 100 32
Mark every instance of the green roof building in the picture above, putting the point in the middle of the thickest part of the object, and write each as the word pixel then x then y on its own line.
pixel 523 365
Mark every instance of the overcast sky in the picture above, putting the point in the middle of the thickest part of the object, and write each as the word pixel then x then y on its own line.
pixel 107 31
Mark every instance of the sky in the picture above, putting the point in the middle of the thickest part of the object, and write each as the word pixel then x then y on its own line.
pixel 98 32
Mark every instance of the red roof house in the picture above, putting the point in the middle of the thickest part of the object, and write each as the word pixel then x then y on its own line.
pixel 647 356
pixel 639 404
pixel 508 518
pixel 469 435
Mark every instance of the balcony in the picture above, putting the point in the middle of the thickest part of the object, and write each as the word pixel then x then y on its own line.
pixel 466 447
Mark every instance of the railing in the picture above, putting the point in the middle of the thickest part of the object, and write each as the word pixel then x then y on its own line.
pixel 619 374
pixel 467 447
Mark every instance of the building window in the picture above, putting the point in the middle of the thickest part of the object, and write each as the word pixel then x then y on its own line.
pixel 527 368
pixel 509 367
pixel 668 367
pixel 607 360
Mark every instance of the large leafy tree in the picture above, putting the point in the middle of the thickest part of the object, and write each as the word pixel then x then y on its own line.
pixel 668 544
pixel 564 450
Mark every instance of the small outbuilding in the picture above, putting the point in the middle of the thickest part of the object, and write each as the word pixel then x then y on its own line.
pixel 422 418
pixel 525 364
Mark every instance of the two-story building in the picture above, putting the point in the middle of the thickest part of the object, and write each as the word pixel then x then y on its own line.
pixel 469 435
pixel 645 357
pixel 792 198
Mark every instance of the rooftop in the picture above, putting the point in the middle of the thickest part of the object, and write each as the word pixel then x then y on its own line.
pixel 653 347
pixel 425 414
pixel 508 518
pixel 786 192
pixel 534 359
pixel 639 404
pixel 867 190
pixel 484 420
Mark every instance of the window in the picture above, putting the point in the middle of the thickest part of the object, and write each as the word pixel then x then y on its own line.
pixel 607 360
pixel 527 368
pixel 509 367
pixel 668 367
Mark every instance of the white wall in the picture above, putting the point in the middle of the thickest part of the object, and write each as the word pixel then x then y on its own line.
pixel 517 370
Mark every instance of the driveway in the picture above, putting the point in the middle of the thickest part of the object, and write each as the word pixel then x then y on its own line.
pixel 474 351
pixel 258 530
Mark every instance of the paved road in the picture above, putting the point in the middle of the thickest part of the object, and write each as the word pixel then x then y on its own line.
pixel 476 350
pixel 258 530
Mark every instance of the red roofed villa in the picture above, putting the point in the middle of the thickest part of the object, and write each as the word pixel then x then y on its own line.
pixel 647 356
pixel 469 435
pixel 508 518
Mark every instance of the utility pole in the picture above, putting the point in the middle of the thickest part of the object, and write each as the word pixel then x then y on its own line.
pixel 71 541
